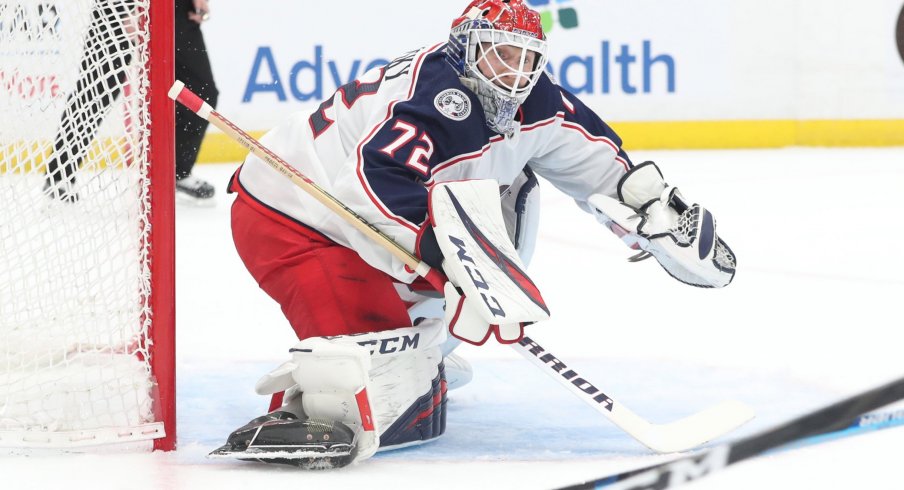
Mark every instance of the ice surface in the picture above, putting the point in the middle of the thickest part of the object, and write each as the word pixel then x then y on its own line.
pixel 814 314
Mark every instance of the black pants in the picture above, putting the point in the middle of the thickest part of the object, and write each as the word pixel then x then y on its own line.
pixel 101 76
pixel 193 68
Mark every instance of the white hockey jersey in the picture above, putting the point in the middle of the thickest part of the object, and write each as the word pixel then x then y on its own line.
pixel 380 142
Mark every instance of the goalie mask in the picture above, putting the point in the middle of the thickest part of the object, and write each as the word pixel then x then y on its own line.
pixel 499 51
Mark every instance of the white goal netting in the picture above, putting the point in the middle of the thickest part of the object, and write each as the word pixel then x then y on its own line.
pixel 75 284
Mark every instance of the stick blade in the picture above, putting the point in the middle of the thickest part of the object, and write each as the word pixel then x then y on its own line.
pixel 699 428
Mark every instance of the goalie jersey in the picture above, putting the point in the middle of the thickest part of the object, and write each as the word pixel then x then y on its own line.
pixel 380 142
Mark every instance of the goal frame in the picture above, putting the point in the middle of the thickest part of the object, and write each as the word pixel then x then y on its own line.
pixel 162 151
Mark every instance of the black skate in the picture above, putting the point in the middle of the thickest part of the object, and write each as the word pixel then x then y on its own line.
pixel 61 190
pixel 194 190
pixel 282 438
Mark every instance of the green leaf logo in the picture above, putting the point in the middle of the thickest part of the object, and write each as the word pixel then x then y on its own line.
pixel 552 13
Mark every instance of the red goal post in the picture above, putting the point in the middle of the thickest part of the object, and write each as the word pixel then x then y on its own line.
pixel 163 174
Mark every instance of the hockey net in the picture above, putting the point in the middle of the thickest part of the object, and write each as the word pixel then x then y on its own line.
pixel 85 225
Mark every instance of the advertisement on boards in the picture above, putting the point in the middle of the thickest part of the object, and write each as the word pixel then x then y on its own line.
pixel 615 58
pixel 761 65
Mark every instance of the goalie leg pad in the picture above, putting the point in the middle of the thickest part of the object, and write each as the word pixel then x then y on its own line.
pixel 327 420
pixel 406 396
pixel 380 383
pixel 458 370
pixel 424 420
pixel 428 333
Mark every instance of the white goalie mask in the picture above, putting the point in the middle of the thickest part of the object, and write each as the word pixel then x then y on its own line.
pixel 499 50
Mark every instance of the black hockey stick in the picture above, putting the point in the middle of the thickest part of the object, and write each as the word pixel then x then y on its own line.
pixel 864 424
pixel 835 417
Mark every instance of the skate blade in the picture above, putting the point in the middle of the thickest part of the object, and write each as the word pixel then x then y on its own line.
pixel 321 458
pixel 288 452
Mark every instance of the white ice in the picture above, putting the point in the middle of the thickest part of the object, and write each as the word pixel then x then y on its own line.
pixel 813 315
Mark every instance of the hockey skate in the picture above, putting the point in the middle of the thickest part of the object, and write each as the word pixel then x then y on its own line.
pixel 283 438
pixel 192 190
pixel 62 190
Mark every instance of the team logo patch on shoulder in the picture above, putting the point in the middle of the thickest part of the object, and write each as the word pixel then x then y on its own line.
pixel 454 104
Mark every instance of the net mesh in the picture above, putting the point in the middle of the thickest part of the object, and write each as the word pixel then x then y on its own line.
pixel 74 229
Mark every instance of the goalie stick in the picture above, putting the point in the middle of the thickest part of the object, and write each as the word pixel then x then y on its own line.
pixel 833 419
pixel 677 436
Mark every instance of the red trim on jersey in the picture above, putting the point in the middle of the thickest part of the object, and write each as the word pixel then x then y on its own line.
pixel 568 104
pixel 545 122
pixel 524 129
pixel 495 139
pixel 389 111
pixel 329 122
pixel 349 103
pixel 430 219
pixel 597 139
pixel 343 96
pixel 580 129
pixel 467 156
pixel 421 231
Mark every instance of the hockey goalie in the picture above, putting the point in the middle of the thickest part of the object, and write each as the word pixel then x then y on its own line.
pixel 440 150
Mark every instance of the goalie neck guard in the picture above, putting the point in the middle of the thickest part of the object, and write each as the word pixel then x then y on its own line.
pixel 499 50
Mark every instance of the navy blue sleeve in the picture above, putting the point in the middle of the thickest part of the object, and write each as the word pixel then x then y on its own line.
pixel 396 183
pixel 399 158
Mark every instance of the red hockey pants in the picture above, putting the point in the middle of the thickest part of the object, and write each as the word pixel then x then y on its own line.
pixel 323 288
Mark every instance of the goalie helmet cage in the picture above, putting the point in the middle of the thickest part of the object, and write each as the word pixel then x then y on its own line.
pixel 87 260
